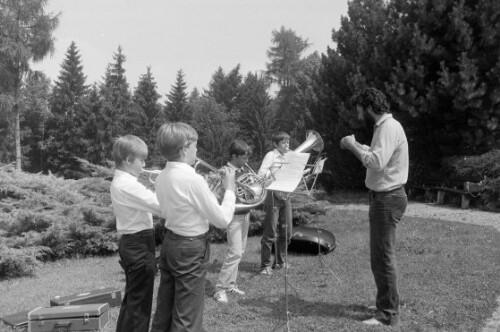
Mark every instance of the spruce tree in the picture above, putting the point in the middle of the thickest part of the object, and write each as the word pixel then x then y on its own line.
pixel 224 88
pixel 120 116
pixel 70 85
pixel 257 113
pixel 177 101
pixel 146 96
pixel 62 145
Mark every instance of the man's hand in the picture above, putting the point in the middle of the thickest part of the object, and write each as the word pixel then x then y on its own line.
pixel 348 142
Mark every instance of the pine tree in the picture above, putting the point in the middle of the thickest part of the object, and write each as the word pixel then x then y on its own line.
pixel 35 96
pixel 26 36
pixel 224 88
pixel 285 55
pixel 439 64
pixel 146 96
pixel 257 114
pixel 62 145
pixel 177 101
pixel 120 116
pixel 70 85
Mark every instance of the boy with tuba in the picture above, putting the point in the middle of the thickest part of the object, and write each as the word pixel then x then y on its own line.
pixel 278 209
pixel 237 231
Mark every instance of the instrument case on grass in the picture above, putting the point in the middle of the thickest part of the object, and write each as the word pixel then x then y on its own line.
pixel 110 295
pixel 85 317
pixel 17 321
pixel 312 240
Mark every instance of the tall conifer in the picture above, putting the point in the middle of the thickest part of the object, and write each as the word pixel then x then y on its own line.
pixel 177 101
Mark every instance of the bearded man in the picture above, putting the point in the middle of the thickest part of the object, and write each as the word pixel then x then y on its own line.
pixel 386 161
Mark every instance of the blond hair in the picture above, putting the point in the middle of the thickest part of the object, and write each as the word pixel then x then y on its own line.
pixel 172 137
pixel 128 146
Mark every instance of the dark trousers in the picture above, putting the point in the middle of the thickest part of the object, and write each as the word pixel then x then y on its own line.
pixel 277 229
pixel 137 257
pixel 181 294
pixel 386 210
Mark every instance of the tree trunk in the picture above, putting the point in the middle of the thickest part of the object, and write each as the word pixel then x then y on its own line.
pixel 17 134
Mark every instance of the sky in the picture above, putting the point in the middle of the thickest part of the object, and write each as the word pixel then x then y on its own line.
pixel 197 36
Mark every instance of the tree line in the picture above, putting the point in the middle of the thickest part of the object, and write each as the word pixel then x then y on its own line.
pixel 438 61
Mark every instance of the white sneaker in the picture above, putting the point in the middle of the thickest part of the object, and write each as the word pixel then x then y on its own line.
pixel 221 296
pixel 235 290
pixel 372 322
pixel 266 271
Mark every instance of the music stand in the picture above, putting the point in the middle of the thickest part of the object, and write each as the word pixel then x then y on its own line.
pixel 317 169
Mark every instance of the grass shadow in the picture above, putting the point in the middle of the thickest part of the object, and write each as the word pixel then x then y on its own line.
pixel 299 307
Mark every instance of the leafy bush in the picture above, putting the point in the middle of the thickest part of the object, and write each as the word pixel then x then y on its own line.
pixel 19 262
pixel 98 216
pixel 30 222
pixel 484 168
pixel 57 239
pixel 92 240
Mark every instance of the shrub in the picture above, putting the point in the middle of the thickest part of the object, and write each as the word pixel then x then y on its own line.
pixel 97 216
pixel 30 222
pixel 484 168
pixel 92 240
pixel 19 262
pixel 57 239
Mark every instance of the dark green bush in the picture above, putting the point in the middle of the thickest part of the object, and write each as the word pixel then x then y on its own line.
pixel 19 262
pixel 30 222
pixel 92 240
pixel 97 216
pixel 483 168
pixel 57 239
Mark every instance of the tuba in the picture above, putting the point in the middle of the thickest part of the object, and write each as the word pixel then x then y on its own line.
pixel 313 142
pixel 250 191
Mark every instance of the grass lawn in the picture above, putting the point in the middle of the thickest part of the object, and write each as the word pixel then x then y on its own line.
pixel 448 281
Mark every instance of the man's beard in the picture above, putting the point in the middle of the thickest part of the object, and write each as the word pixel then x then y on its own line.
pixel 368 120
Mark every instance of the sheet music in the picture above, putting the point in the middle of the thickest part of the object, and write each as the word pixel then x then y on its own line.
pixel 288 176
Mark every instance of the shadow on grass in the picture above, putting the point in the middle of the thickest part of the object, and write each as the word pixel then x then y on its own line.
pixel 298 307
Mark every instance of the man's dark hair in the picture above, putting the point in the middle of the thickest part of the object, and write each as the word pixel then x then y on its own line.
pixel 238 147
pixel 371 97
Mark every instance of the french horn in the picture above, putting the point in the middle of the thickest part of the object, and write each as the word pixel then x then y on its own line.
pixel 250 191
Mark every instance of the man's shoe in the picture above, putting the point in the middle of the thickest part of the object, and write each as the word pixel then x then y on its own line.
pixel 372 322
pixel 282 266
pixel 372 308
pixel 235 290
pixel 221 297
pixel 266 271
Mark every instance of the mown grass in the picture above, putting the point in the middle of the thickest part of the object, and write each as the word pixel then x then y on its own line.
pixel 448 281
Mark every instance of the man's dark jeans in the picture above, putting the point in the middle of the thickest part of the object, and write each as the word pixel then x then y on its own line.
pixel 277 228
pixel 137 257
pixel 181 294
pixel 386 210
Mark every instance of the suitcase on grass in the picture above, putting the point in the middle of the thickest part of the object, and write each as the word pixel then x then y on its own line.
pixel 312 240
pixel 17 321
pixel 110 295
pixel 84 317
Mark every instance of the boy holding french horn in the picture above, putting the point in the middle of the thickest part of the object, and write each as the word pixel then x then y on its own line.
pixel 237 231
